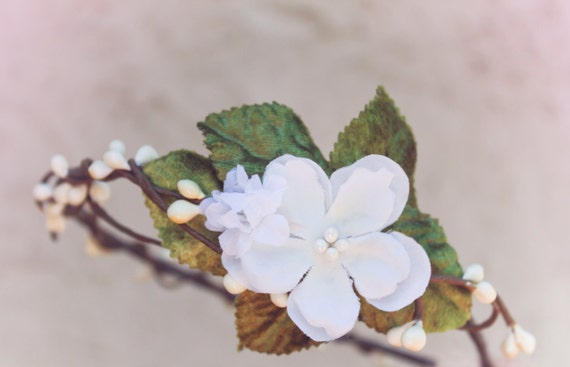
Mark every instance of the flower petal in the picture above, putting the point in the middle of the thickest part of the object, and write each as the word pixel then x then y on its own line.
pixel 415 284
pixel 271 269
pixel 375 187
pixel 377 262
pixel 273 230
pixel 324 305
pixel 307 195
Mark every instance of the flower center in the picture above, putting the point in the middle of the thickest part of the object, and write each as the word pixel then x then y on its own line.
pixel 330 245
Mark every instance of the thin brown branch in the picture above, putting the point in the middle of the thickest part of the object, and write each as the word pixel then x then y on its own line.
pixel 477 339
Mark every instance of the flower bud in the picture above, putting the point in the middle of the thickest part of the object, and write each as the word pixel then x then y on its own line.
pixel 77 195
pixel 394 335
pixel 509 347
pixel 485 293
pixel 232 285
pixel 53 209
pixel 59 165
pixel 100 191
pixel 42 192
pixel 117 146
pixel 279 299
pixel 190 189
pixel 474 273
pixel 182 211
pixel 145 154
pixel 525 341
pixel 98 170
pixel 414 338
pixel 115 160
pixel 93 248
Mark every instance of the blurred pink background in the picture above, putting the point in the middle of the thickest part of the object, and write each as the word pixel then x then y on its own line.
pixel 484 85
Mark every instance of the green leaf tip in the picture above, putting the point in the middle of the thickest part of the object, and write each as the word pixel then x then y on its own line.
pixel 379 129
pixel 255 135
pixel 165 172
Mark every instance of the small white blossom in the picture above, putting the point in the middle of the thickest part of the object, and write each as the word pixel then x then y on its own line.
pixel 61 193
pixel 319 239
pixel 414 338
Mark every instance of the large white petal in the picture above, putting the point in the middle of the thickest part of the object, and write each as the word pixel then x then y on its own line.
pixel 307 195
pixel 415 284
pixel 324 305
pixel 377 262
pixel 399 184
pixel 273 230
pixel 271 269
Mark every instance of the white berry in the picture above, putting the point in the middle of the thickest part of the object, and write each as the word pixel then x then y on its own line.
pixel 145 154
pixel 525 341
pixel 42 192
pixel 117 146
pixel 232 285
pixel 115 160
pixel 485 293
pixel 414 338
pixel 100 191
pixel 77 195
pixel 55 223
pixel 474 273
pixel 509 347
pixel 59 165
pixel 98 170
pixel 182 211
pixel 61 192
pixel 279 299
pixel 190 189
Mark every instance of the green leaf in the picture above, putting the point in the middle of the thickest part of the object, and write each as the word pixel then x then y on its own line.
pixel 165 172
pixel 266 328
pixel 255 135
pixel 379 129
pixel 446 307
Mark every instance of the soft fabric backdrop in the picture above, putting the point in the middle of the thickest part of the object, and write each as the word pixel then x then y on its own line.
pixel 483 84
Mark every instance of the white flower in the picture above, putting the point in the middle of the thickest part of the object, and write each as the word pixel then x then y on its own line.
pixel 333 242
pixel 245 212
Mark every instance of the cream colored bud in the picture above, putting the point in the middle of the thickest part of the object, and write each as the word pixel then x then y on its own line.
pixel 77 195
pixel 100 191
pixel 415 337
pixel 115 160
pixel 232 285
pixel 525 341
pixel 145 154
pixel 182 211
pixel 190 189
pixel 117 146
pixel 485 293
pixel 509 347
pixel 94 249
pixel 279 299
pixel 474 273
pixel 98 170
pixel 59 165
pixel 61 193
pixel 42 192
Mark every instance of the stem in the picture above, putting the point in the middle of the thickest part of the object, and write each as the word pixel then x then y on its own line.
pixel 477 339
pixel 148 189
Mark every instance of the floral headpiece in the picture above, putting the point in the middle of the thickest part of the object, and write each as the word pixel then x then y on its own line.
pixel 309 246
